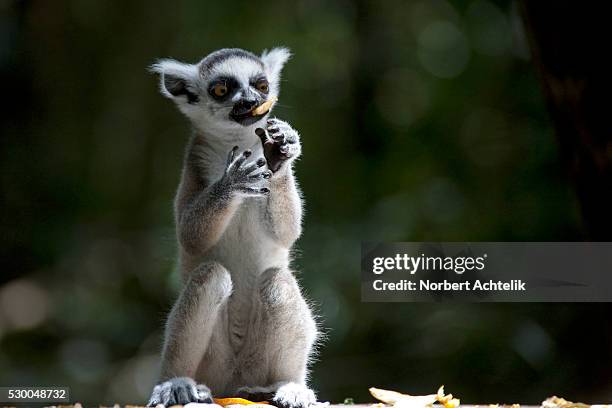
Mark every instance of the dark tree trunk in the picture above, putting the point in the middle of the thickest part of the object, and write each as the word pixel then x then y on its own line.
pixel 570 43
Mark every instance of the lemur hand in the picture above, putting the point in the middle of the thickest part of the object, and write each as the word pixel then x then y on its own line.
pixel 243 177
pixel 281 143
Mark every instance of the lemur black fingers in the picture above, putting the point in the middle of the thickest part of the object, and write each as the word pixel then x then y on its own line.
pixel 263 136
pixel 280 143
pixel 281 132
pixel 254 166
pixel 236 164
pixel 279 138
pixel 254 191
pixel 183 396
pixel 230 156
pixel 177 391
pixel 264 174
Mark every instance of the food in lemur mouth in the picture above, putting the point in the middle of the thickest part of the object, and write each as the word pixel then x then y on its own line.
pixel 264 107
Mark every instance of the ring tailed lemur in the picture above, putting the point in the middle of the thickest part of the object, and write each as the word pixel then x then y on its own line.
pixel 240 325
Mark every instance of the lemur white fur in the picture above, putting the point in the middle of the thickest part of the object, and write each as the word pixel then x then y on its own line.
pixel 240 325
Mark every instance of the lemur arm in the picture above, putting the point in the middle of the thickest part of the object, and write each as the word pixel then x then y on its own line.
pixel 281 146
pixel 203 211
pixel 203 217
pixel 284 208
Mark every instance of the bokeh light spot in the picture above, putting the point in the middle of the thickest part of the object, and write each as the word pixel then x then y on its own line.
pixel 490 32
pixel 443 49
pixel 24 304
pixel 402 97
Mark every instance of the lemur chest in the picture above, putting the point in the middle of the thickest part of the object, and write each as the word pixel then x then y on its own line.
pixel 246 233
pixel 247 246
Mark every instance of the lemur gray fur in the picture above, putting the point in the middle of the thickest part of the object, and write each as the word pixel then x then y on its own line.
pixel 240 326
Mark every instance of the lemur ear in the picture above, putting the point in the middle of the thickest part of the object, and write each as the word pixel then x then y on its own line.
pixel 176 79
pixel 274 60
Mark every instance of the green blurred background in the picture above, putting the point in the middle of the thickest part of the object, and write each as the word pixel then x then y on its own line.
pixel 420 121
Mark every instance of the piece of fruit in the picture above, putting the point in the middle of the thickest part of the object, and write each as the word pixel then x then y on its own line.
pixel 264 107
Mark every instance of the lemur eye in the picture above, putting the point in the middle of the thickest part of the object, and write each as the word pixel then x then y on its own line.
pixel 220 89
pixel 262 86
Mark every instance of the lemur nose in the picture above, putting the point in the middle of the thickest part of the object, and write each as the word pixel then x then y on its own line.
pixel 245 105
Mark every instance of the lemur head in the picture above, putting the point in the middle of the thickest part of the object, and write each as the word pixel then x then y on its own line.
pixel 221 91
